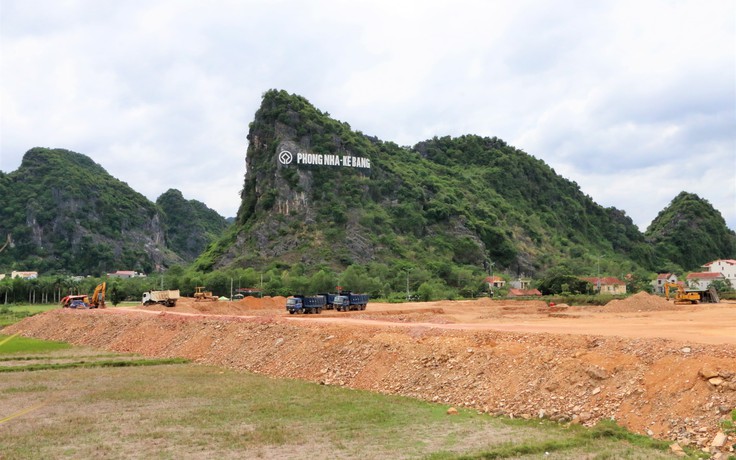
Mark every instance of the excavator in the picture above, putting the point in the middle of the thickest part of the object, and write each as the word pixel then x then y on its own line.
pixel 681 295
pixel 83 301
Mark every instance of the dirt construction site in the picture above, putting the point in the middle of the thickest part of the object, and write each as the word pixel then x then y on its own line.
pixel 664 370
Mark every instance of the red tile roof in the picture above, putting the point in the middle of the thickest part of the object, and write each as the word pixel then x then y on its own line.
pixel 705 275
pixel 664 276
pixel 728 261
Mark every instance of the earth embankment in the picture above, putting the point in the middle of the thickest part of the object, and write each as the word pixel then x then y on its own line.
pixel 665 388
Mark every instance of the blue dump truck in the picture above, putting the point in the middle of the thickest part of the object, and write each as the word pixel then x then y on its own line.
pixel 349 301
pixel 344 301
pixel 305 304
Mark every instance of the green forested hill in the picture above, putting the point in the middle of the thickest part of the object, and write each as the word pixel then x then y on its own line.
pixel 690 232
pixel 66 214
pixel 190 224
pixel 440 209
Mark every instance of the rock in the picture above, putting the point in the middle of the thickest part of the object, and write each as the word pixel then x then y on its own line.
pixel 596 390
pixel 686 349
pixel 452 411
pixel 715 381
pixel 707 372
pixel 677 450
pixel 724 409
pixel 719 440
pixel 597 372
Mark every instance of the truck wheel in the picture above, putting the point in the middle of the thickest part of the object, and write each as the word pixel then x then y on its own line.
pixel 319 310
pixel 291 312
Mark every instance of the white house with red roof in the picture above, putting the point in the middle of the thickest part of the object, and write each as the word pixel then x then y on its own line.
pixel 662 279
pixel 726 267
pixel 702 280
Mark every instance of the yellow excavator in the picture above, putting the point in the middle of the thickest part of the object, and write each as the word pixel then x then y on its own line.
pixel 681 295
pixel 98 297
pixel 83 301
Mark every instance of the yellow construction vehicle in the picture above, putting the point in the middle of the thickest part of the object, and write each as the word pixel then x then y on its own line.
pixel 200 294
pixel 83 301
pixel 98 298
pixel 681 295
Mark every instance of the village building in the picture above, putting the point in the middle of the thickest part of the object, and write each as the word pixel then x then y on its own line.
pixel 726 267
pixel 662 279
pixel 702 280
pixel 521 283
pixel 125 274
pixel 495 282
pixel 24 275
pixel 607 285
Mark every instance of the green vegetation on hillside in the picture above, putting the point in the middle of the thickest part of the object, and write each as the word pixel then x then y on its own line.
pixel 690 232
pixel 67 215
pixel 444 208
pixel 190 224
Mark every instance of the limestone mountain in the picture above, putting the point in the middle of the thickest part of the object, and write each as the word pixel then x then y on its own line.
pixel 190 224
pixel 66 214
pixel 690 232
pixel 317 193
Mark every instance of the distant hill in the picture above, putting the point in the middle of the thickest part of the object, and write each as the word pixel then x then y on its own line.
pixel 690 232
pixel 190 224
pixel 444 204
pixel 66 214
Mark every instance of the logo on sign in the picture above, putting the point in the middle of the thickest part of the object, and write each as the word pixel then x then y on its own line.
pixel 285 157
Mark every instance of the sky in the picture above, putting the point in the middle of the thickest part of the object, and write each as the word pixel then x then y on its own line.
pixel 635 101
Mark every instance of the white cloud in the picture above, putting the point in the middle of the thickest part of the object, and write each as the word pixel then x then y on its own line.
pixel 628 99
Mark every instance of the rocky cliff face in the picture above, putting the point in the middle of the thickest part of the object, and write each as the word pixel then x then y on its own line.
pixel 318 193
pixel 67 214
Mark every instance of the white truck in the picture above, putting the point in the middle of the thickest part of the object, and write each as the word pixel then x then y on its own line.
pixel 167 298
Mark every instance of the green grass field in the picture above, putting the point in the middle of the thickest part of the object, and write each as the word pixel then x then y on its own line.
pixel 168 410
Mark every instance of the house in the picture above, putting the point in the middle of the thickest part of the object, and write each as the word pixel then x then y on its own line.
pixel 125 274
pixel 24 275
pixel 514 292
pixel 495 281
pixel 2 276
pixel 726 267
pixel 521 283
pixel 702 280
pixel 662 279
pixel 607 285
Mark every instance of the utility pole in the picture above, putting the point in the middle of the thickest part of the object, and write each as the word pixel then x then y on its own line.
pixel 407 284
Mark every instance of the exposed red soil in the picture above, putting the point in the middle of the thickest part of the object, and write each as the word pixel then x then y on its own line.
pixel 656 368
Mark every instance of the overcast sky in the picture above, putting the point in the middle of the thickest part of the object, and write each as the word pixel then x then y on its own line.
pixel 633 100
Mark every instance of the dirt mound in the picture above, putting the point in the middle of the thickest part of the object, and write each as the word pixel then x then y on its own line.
pixel 673 390
pixel 640 301
pixel 256 306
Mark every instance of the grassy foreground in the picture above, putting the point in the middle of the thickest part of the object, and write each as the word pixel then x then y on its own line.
pixel 192 411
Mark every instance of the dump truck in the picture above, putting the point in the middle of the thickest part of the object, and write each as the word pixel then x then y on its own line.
pixel 349 301
pixel 305 304
pixel 167 298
